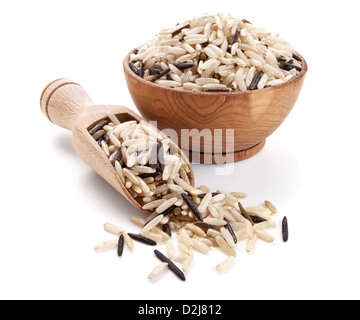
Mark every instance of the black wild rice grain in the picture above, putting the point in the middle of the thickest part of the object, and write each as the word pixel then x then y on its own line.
pixel 205 225
pixel 100 140
pixel 244 213
pixel 256 80
pixel 281 59
pixel 149 175
pixel 257 220
pixel 169 210
pixel 161 74
pixel 120 246
pixel 106 138
pixel 285 230
pixel 142 239
pixel 192 206
pixel 236 37
pixel 296 57
pixel 171 265
pixel 118 156
pixel 218 90
pixel 291 61
pixel 231 230
pixel 202 195
pixel 182 38
pixel 141 70
pixel 166 228
pixel 161 156
pixel 176 32
pixel 98 126
pixel 133 68
pixel 184 65
pixel 153 71
pixel 288 66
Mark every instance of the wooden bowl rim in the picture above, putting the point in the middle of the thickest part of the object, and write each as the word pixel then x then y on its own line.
pixel 187 92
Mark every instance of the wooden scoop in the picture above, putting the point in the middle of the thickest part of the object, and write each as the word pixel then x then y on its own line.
pixel 66 104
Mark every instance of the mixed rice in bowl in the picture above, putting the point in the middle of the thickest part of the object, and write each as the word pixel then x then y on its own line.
pixel 216 53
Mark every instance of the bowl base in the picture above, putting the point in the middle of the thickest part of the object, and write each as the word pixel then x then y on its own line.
pixel 224 158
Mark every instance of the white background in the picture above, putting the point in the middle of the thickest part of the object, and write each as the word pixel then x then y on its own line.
pixel 53 206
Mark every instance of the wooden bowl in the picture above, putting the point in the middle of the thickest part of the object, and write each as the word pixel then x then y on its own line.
pixel 253 115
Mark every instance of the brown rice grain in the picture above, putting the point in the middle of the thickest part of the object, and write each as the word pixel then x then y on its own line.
pixel 166 205
pixel 227 236
pixel 128 241
pixel 226 264
pixel 212 233
pixel 113 229
pixel 158 270
pixel 251 243
pixel 200 246
pixel 195 229
pixel 271 207
pixel 138 221
pixel 106 245
pixel 263 235
pixel 187 262
pixel 225 247
pixel 264 225
pixel 262 212
pixel 152 223
pixel 170 249
pixel 216 222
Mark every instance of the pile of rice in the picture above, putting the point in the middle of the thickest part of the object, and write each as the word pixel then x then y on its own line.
pixel 216 53
pixel 159 180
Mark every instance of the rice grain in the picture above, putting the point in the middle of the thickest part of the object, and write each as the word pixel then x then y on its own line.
pixel 226 264
pixel 106 245
pixel 158 270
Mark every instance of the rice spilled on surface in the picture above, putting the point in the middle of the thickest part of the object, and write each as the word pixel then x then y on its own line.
pixel 158 179
pixel 216 53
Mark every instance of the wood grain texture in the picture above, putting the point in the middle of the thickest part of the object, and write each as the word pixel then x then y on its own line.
pixel 67 105
pixel 253 115
pixel 196 157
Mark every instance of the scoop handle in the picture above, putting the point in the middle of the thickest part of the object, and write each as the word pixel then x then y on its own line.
pixel 62 102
